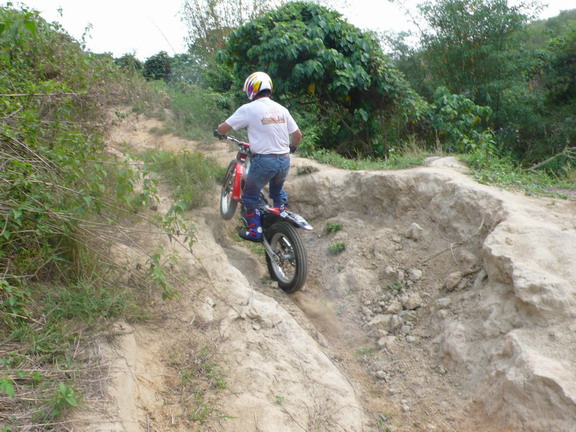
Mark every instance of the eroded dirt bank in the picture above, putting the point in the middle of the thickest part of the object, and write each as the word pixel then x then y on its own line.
pixel 450 309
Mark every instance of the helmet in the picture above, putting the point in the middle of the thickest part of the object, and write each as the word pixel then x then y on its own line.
pixel 257 82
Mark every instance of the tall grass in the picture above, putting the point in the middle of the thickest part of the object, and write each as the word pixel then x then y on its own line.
pixel 192 175
pixel 57 283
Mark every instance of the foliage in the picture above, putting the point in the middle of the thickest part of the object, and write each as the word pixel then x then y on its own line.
pixel 129 63
pixel 560 75
pixel 470 45
pixel 337 248
pixel 191 174
pixel 316 58
pixel 485 51
pixel 197 110
pixel 58 216
pixel 458 122
pixel 398 159
pixel 332 227
pixel 158 67
pixel 539 33
pixel 504 172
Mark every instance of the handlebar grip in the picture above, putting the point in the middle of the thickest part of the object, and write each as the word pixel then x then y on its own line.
pixel 217 135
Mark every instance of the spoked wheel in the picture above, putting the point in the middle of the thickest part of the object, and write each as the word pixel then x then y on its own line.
pixel 227 204
pixel 290 266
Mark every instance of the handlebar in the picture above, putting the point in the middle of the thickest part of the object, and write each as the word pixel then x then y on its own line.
pixel 229 138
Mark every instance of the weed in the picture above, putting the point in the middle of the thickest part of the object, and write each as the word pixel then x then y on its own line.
pixel 157 272
pixel 395 286
pixel 395 161
pixel 332 227
pixel 337 248
pixel 364 352
pixel 279 399
pixel 201 414
pixel 192 175
pixel 382 421
pixel 306 169
pixel 7 386
pixel 64 398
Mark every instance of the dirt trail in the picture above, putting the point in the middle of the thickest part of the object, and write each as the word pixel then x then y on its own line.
pixel 451 309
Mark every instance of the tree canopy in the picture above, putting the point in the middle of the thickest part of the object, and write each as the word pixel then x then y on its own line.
pixel 313 55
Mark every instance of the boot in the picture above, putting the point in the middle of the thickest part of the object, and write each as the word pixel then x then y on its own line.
pixel 253 230
pixel 281 205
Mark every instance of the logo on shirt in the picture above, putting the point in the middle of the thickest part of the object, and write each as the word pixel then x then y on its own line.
pixel 273 120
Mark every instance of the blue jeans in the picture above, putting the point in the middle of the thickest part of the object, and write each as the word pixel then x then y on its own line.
pixel 266 169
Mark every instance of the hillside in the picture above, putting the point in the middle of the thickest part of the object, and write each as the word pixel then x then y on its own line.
pixel 451 309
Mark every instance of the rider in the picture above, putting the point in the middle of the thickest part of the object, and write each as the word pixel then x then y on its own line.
pixel 273 135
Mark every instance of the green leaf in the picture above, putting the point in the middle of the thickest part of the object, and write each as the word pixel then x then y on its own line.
pixel 7 387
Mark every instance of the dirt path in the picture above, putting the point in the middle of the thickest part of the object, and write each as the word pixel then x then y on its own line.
pixel 451 309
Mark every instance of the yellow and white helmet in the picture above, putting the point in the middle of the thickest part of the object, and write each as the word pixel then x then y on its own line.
pixel 257 82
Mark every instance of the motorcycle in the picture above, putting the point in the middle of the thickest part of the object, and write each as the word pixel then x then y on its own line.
pixel 285 253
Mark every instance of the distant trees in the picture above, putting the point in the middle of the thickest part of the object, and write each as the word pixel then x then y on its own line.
pixel 486 51
pixel 129 63
pixel 210 22
pixel 158 67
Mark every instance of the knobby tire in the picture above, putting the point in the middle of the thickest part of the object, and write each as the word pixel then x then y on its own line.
pixel 227 204
pixel 291 271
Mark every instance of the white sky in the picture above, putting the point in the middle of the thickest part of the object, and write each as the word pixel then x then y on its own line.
pixel 146 27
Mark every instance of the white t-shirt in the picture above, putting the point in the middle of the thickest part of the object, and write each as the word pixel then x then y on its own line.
pixel 269 125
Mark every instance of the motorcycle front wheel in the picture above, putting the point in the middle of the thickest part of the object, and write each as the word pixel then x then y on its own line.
pixel 289 266
pixel 227 204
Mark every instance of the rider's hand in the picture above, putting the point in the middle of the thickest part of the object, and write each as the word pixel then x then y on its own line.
pixel 217 135
pixel 293 149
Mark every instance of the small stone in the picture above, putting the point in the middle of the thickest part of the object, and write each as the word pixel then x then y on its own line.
pixel 387 342
pixel 381 375
pixel 405 329
pixel 380 320
pixel 443 302
pixel 410 339
pixel 367 311
pixel 414 274
pixel 452 281
pixel 394 307
pixel 411 301
pixel 415 232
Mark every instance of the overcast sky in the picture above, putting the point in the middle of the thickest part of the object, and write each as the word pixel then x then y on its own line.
pixel 146 27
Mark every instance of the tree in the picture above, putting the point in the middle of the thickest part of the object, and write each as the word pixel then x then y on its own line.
pixel 560 77
pixel 158 67
pixel 317 58
pixel 470 47
pixel 129 63
pixel 210 22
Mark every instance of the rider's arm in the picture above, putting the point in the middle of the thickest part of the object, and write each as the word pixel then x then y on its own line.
pixel 296 138
pixel 224 128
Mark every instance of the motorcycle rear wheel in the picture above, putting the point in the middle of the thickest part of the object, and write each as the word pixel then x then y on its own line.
pixel 227 204
pixel 290 266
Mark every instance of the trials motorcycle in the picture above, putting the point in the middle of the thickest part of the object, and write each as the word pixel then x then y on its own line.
pixel 285 253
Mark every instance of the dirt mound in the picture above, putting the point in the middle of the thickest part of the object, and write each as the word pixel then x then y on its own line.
pixel 447 306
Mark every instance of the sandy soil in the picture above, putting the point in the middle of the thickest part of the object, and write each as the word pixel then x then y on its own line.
pixel 451 309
